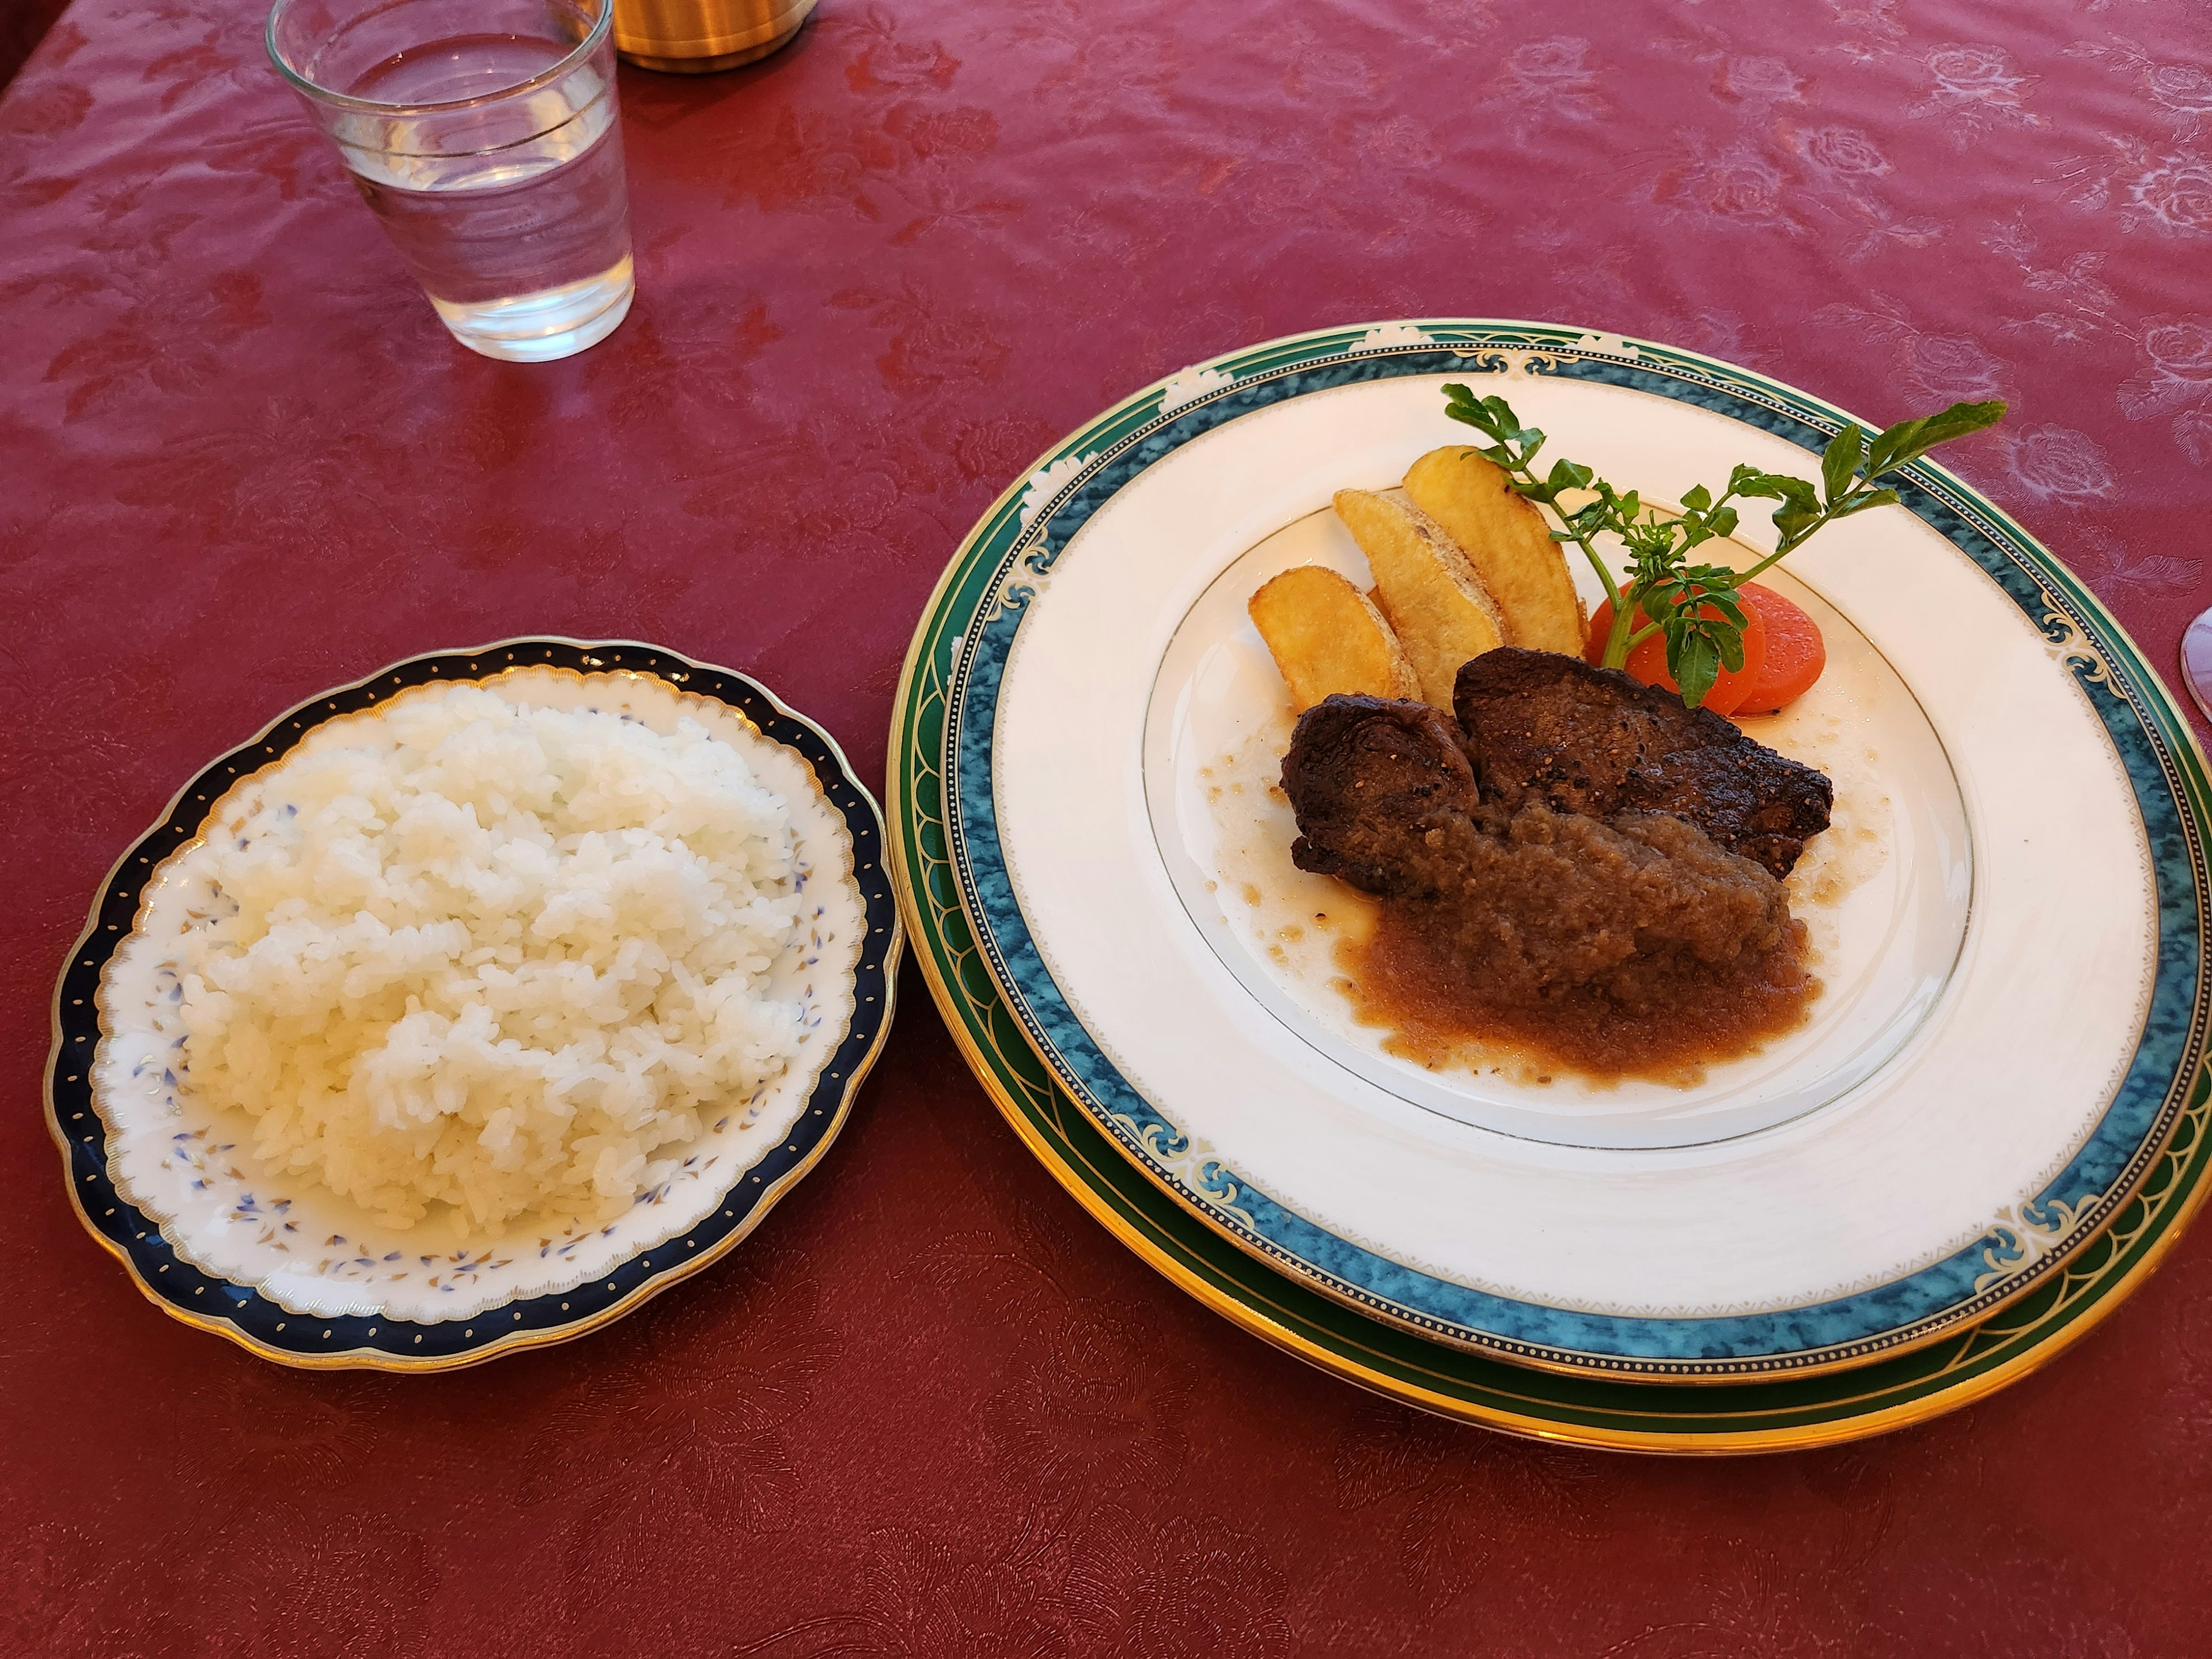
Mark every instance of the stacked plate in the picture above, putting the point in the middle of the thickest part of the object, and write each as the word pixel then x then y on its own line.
pixel 1989 1129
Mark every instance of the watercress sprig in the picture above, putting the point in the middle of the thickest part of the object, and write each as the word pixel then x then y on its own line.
pixel 1696 606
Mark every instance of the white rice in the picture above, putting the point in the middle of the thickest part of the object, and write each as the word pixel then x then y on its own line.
pixel 504 960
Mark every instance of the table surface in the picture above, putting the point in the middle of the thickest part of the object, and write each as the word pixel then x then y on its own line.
pixel 931 1408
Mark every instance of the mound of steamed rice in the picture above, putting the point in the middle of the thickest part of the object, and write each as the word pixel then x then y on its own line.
pixel 505 960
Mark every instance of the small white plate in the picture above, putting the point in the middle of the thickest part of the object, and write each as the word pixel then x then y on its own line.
pixel 298 1274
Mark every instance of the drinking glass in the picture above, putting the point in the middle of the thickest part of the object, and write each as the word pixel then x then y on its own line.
pixel 483 134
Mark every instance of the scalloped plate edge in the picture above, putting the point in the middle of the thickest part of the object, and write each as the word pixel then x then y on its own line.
pixel 886 961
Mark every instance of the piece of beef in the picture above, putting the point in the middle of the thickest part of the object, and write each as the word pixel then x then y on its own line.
pixel 1520 908
pixel 1540 725
pixel 1369 777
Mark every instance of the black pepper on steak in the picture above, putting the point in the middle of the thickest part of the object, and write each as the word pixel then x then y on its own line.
pixel 1371 777
pixel 1541 725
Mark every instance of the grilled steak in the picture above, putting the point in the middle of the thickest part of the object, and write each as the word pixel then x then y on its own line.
pixel 1369 777
pixel 1543 727
pixel 1520 906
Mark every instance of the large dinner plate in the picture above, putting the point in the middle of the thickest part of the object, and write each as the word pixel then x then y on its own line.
pixel 292 1272
pixel 1991 1122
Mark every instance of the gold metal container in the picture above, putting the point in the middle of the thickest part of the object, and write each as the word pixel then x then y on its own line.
pixel 695 37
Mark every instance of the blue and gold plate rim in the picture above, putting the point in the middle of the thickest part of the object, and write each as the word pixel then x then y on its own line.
pixel 375 1342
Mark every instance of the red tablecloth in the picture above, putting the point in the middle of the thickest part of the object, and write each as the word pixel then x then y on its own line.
pixel 931 1408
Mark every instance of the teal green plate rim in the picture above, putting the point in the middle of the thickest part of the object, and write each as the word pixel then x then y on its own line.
pixel 1770 1413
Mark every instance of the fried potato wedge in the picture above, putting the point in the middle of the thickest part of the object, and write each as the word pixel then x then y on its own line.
pixel 1432 596
pixel 1509 541
pixel 1328 636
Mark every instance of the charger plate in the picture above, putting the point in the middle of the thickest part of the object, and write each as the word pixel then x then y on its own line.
pixel 1989 1129
pixel 287 1269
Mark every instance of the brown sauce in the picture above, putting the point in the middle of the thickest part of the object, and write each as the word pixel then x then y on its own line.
pixel 1554 942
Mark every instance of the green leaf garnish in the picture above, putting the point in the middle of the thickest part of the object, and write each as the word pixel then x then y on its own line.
pixel 1695 608
pixel 1840 460
pixel 1908 440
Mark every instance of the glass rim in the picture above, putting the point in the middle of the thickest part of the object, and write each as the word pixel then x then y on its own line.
pixel 594 37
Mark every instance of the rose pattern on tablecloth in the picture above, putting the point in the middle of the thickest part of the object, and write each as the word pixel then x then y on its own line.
pixel 1940 369
pixel 2056 464
pixel 941 1411
pixel 1554 78
pixel 2137 575
pixel 1976 88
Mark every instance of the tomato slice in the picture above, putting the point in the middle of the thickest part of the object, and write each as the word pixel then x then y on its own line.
pixel 1795 654
pixel 1647 662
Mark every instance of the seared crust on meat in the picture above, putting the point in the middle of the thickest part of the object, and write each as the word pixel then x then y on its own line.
pixel 1522 908
pixel 1367 774
pixel 1549 728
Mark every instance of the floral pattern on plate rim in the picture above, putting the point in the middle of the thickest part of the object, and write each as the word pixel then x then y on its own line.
pixel 375 1341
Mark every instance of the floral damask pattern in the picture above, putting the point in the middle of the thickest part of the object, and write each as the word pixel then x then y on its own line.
pixel 2058 464
pixel 1553 77
pixel 2176 368
pixel 932 1409
pixel 1976 88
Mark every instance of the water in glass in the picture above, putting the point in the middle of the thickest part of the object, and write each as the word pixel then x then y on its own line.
pixel 519 247
pixel 484 136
